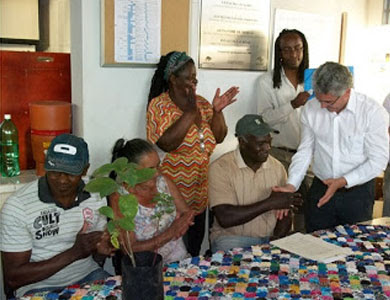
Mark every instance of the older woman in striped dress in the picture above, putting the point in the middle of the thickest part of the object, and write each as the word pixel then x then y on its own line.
pixel 187 127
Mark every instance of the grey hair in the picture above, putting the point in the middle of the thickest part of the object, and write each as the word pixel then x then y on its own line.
pixel 332 78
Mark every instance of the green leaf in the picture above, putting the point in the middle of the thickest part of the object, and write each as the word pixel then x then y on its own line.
pixel 128 205
pixel 145 174
pixel 115 241
pixel 120 164
pixel 111 227
pixel 129 176
pixel 169 210
pixel 103 185
pixel 157 216
pixel 107 211
pixel 133 165
pixel 127 223
pixel 103 170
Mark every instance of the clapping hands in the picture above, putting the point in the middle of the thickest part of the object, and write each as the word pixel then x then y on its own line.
pixel 227 98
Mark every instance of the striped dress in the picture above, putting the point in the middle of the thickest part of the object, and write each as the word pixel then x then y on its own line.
pixel 186 166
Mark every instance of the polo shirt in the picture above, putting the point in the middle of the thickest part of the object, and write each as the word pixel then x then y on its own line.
pixel 231 181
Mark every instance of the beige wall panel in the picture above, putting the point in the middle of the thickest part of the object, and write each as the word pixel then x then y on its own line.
pixel 19 19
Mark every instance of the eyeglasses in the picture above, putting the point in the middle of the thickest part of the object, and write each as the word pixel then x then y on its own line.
pixel 289 50
pixel 330 103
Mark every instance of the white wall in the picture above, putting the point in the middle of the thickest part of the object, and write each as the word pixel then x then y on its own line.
pixel 110 103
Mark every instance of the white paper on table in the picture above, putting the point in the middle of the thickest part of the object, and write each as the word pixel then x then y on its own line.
pixel 312 247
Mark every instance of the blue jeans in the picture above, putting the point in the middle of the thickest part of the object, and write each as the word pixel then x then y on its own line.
pixel 98 274
pixel 227 242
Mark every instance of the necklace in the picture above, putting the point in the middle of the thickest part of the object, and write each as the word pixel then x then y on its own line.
pixel 201 139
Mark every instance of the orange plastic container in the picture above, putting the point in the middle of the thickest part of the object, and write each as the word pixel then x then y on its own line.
pixel 48 119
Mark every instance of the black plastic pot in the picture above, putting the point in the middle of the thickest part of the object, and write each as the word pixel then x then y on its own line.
pixel 145 281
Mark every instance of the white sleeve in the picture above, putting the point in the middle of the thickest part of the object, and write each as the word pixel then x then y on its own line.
pixel 267 104
pixel 376 147
pixel 386 103
pixel 101 219
pixel 14 233
pixel 302 159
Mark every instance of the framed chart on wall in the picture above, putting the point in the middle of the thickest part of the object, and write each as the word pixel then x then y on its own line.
pixel 234 34
pixel 138 32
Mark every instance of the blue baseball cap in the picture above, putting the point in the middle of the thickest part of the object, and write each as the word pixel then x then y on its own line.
pixel 67 153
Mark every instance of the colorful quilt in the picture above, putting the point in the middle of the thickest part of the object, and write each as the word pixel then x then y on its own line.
pixel 267 272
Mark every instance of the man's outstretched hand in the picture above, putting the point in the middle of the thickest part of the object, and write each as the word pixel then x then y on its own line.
pixel 296 199
pixel 333 185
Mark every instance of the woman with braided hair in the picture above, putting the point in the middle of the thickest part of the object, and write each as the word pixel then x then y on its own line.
pixel 187 127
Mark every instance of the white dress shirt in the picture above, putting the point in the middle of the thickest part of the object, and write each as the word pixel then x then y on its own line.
pixel 353 144
pixel 274 105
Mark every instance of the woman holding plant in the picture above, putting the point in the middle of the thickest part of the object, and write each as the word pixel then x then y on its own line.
pixel 157 227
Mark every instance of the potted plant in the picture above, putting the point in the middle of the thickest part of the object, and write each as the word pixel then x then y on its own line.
pixel 141 272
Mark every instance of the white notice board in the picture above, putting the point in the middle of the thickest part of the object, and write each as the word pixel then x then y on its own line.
pixel 322 33
pixel 137 31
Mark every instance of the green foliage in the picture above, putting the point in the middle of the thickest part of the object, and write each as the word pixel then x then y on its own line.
pixel 127 223
pixel 107 211
pixel 111 226
pixel 164 205
pixel 114 239
pixel 101 183
pixel 128 205
pixel 130 174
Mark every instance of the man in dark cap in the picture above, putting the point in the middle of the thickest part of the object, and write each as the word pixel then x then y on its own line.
pixel 51 233
pixel 240 190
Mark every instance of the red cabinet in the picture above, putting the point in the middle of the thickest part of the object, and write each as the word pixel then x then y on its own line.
pixel 27 77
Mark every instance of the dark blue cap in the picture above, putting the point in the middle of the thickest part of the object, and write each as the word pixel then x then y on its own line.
pixel 67 153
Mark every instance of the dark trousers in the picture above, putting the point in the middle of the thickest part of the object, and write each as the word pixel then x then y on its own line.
pixel 347 206
pixel 195 234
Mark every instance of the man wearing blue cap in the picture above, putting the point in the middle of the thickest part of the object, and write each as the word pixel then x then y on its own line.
pixel 240 190
pixel 51 233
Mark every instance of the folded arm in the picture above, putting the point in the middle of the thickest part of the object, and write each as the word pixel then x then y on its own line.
pixel 269 107
pixel 175 134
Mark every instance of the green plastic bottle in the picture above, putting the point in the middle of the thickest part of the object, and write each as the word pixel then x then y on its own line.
pixel 9 145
